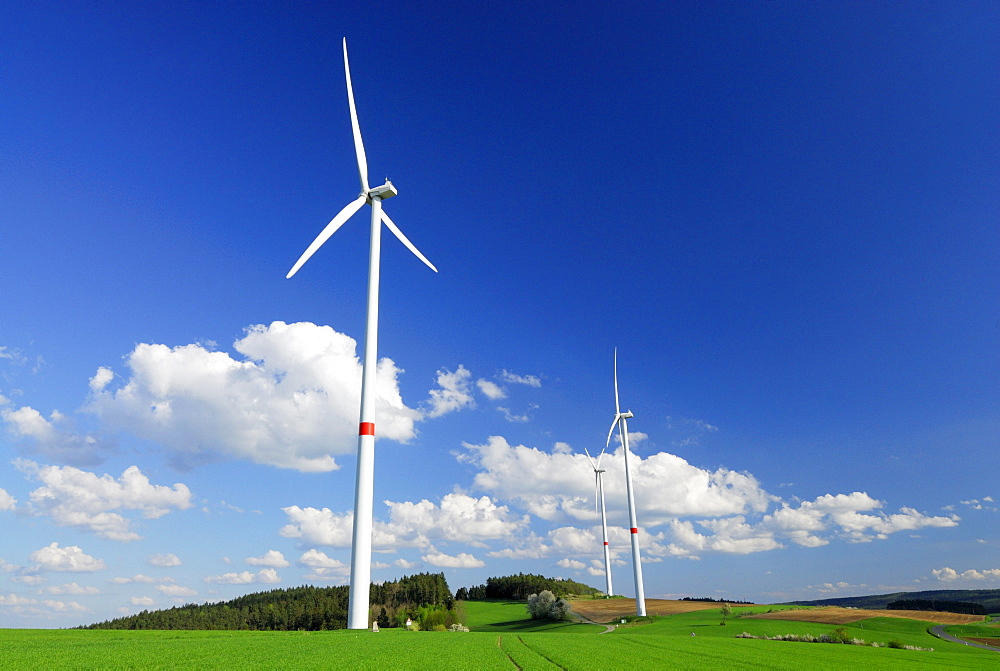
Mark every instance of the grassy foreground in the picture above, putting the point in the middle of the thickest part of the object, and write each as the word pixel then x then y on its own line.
pixel 499 641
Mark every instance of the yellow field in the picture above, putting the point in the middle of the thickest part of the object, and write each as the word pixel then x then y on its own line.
pixel 837 615
pixel 606 610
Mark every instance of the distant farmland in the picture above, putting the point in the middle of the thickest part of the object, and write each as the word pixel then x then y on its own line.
pixel 607 610
pixel 837 615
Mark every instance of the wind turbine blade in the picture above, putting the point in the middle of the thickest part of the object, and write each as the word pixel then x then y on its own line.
pixel 617 408
pixel 597 478
pixel 359 146
pixel 402 238
pixel 611 430
pixel 592 462
pixel 325 234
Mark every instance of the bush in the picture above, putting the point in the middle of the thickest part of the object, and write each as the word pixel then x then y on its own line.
pixel 840 635
pixel 458 627
pixel 896 644
pixel 545 606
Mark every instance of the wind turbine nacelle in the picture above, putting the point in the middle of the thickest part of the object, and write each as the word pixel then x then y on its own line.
pixel 627 415
pixel 387 190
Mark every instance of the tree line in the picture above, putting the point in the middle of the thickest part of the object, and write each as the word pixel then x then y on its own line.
pixel 713 600
pixel 987 598
pixel 519 587
pixel 425 598
pixel 938 605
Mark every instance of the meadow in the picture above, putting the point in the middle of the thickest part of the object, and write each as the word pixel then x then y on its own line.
pixel 503 639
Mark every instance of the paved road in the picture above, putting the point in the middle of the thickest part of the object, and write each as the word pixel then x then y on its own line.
pixel 940 633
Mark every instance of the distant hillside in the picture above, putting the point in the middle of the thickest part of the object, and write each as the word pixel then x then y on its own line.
pixel 988 598
pixel 424 597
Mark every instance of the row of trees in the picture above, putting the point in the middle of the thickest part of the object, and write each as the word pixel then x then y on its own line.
pixel 425 597
pixel 712 600
pixel 519 587
pixel 938 606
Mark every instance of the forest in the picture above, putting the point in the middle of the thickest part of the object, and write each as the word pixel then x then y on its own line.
pixel 425 598
pixel 519 587
pixel 938 605
pixel 987 598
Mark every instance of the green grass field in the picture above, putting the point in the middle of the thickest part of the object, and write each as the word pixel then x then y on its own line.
pixel 501 639
pixel 512 617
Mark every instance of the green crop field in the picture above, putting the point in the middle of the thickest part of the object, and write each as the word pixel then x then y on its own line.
pixel 512 617
pixel 501 639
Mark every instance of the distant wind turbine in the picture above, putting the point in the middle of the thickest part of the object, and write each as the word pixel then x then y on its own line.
pixel 361 551
pixel 622 424
pixel 599 501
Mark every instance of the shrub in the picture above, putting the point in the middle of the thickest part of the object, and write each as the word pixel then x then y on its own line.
pixel 896 644
pixel 840 635
pixel 458 627
pixel 545 606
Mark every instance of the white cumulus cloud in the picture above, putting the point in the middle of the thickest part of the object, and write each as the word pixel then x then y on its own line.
pixel 55 437
pixel 264 576
pixel 459 518
pixel 730 509
pixel 455 392
pixel 70 558
pixel 167 560
pixel 7 502
pixel 70 588
pixel 140 578
pixel 319 526
pixel 271 558
pixel 555 485
pixel 323 567
pixel 291 400
pixel 176 591
pixel 514 378
pixel 461 560
pixel 491 390
pixel 77 498
pixel 12 599
pixel 63 606
pixel 948 574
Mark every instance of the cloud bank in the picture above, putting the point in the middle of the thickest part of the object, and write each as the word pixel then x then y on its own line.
pixel 77 498
pixel 291 401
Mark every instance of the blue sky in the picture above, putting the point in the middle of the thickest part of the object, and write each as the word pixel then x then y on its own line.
pixel 783 215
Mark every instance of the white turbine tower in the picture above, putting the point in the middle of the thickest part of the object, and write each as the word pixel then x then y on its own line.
pixel 361 551
pixel 622 424
pixel 599 501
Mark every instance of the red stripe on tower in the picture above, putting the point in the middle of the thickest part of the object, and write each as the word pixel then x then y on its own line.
pixel 605 542
pixel 634 530
pixel 367 429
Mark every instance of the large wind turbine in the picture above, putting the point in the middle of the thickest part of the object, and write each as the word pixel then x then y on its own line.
pixel 361 551
pixel 599 500
pixel 622 424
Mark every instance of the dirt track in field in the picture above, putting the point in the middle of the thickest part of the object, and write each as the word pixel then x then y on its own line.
pixel 837 615
pixel 606 610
